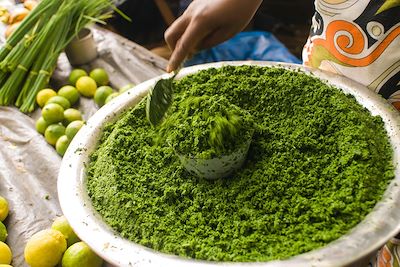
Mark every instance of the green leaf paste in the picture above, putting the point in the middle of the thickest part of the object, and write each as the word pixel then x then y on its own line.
pixel 318 164
pixel 206 127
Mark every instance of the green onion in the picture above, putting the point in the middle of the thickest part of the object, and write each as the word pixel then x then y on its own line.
pixel 29 57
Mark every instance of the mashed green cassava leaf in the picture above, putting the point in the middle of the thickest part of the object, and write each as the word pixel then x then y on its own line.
pixel 317 165
pixel 206 127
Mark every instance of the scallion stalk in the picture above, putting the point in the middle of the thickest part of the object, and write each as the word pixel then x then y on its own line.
pixel 30 55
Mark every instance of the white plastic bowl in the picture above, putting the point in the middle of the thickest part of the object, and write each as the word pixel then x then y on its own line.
pixel 379 226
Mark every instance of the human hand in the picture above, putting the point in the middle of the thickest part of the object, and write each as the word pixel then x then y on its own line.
pixel 206 23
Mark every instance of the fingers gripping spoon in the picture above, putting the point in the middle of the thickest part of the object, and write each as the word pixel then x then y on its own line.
pixel 160 99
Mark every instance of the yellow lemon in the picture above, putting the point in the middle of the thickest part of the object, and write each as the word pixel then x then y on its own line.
pixel 44 95
pixel 5 253
pixel 45 248
pixel 3 208
pixel 86 86
pixel 80 254
pixel 61 224
pixel 75 75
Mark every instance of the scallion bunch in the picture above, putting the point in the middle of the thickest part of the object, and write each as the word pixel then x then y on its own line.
pixel 28 58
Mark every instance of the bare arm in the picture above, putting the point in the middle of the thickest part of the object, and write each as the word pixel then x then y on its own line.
pixel 206 23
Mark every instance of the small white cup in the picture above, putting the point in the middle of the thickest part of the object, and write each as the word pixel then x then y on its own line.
pixel 82 49
pixel 219 167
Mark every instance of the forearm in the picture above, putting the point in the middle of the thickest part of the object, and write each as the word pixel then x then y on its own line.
pixel 206 23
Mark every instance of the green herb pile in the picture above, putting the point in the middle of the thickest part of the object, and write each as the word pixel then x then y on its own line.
pixel 206 126
pixel 318 164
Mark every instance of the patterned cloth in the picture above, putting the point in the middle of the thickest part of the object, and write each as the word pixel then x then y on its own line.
pixel 388 255
pixel 359 39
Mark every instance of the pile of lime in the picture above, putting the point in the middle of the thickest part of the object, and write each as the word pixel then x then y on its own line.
pixel 59 246
pixel 95 85
pixel 60 121
pixel 5 251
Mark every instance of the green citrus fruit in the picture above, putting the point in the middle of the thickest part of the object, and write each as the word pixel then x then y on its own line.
pixel 126 88
pixel 45 248
pixel 86 86
pixel 44 95
pixel 75 75
pixel 5 253
pixel 71 115
pixel 100 76
pixel 101 95
pixel 3 232
pixel 53 113
pixel 111 97
pixel 53 132
pixel 70 93
pixel 80 254
pixel 62 101
pixel 41 125
pixel 73 128
pixel 62 145
pixel 61 224
pixel 3 208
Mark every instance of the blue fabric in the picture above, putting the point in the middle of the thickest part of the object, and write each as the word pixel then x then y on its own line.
pixel 254 45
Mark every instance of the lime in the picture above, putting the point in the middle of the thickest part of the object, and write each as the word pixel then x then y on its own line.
pixel 45 248
pixel 101 95
pixel 86 86
pixel 3 208
pixel 5 253
pixel 62 101
pixel 80 254
pixel 52 113
pixel 44 95
pixel 3 232
pixel 61 224
pixel 41 125
pixel 111 97
pixel 100 76
pixel 73 128
pixel 70 93
pixel 62 145
pixel 53 132
pixel 125 88
pixel 71 115
pixel 75 75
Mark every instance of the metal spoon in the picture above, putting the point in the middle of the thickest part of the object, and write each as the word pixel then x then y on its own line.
pixel 160 99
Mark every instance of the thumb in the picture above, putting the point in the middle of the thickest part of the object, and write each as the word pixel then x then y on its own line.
pixel 186 45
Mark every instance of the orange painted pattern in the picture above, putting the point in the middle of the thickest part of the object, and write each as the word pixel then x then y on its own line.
pixel 385 257
pixel 355 48
pixel 396 105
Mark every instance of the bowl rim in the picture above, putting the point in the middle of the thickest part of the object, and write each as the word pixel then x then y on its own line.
pixel 364 239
